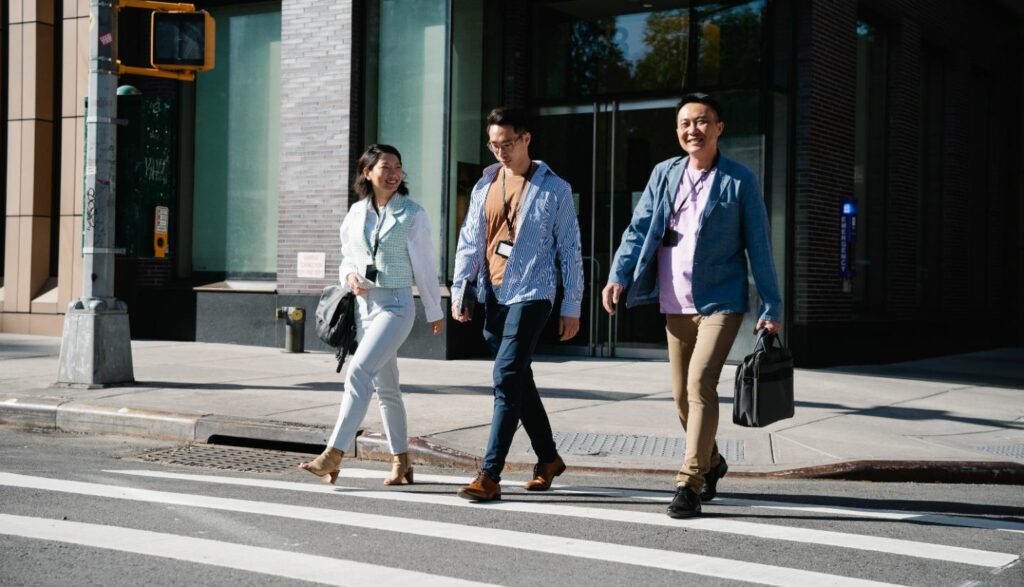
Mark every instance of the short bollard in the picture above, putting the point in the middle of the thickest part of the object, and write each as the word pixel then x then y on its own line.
pixel 294 328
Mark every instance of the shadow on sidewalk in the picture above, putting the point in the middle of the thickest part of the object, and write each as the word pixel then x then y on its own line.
pixel 995 368
pixel 338 386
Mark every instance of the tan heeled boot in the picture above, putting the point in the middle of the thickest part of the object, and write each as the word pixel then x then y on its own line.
pixel 401 470
pixel 326 466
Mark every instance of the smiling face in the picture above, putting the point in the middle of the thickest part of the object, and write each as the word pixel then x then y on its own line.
pixel 698 129
pixel 386 175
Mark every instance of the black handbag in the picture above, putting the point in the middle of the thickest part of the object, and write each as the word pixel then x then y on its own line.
pixel 764 384
pixel 336 321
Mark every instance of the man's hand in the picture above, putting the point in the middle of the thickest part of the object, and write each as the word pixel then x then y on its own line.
pixel 463 317
pixel 610 296
pixel 356 285
pixel 771 326
pixel 567 327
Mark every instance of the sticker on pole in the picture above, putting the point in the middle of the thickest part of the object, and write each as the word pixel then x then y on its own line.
pixel 161 220
pixel 106 39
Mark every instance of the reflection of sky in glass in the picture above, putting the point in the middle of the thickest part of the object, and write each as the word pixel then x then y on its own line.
pixel 629 35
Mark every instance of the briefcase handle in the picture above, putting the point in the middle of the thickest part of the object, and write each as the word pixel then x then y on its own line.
pixel 766 341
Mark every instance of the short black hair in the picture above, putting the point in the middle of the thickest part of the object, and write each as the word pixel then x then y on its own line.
pixel 701 98
pixel 369 158
pixel 509 116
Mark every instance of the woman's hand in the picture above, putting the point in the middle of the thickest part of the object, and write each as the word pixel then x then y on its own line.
pixel 436 327
pixel 770 325
pixel 356 285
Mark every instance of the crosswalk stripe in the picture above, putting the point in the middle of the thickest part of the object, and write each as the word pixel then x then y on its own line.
pixel 494 537
pixel 267 561
pixel 664 496
pixel 896 546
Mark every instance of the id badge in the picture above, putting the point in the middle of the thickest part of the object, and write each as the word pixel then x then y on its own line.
pixel 670 239
pixel 505 249
pixel 371 272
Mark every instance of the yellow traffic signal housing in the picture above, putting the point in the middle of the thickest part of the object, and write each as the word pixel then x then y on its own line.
pixel 182 41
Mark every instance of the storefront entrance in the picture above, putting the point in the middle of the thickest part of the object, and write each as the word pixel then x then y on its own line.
pixel 605 82
pixel 601 79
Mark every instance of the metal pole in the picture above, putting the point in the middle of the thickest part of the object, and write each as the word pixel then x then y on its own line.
pixel 96 345
pixel 593 326
pixel 612 320
pixel 101 163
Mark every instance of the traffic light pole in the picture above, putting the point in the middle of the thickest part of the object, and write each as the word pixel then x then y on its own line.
pixel 96 347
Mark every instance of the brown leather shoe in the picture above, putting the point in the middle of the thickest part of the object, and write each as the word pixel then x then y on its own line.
pixel 482 488
pixel 544 474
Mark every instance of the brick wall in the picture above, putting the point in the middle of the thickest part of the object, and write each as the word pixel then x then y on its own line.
pixel 981 178
pixel 316 73
pixel 826 87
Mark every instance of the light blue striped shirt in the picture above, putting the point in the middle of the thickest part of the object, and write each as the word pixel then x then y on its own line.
pixel 547 226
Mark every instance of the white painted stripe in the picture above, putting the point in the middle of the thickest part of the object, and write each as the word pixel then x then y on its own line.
pixel 587 549
pixel 896 546
pixel 280 563
pixel 665 496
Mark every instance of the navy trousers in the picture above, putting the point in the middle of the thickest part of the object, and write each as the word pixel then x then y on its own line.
pixel 512 333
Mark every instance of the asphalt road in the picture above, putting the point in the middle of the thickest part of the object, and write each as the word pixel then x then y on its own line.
pixel 115 511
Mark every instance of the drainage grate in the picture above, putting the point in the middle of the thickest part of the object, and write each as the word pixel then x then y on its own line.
pixel 232 458
pixel 1012 451
pixel 631 446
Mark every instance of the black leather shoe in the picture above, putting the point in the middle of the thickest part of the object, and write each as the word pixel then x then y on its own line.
pixel 710 489
pixel 685 504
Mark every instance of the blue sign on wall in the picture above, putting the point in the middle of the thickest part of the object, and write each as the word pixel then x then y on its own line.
pixel 847 236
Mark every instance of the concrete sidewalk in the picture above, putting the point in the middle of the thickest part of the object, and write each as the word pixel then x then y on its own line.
pixel 957 418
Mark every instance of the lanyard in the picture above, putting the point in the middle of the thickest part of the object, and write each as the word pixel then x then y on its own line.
pixel 695 187
pixel 511 220
pixel 376 230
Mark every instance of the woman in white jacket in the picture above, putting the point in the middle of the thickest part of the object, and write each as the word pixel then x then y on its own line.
pixel 386 247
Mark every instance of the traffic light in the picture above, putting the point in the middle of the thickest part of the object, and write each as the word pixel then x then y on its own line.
pixel 182 41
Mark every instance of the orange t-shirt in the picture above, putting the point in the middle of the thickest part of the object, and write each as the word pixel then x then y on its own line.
pixel 494 212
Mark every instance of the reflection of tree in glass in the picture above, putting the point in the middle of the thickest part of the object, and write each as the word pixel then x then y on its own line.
pixel 666 35
pixel 597 62
pixel 730 45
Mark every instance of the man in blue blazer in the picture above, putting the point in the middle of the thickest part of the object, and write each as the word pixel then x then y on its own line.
pixel 700 218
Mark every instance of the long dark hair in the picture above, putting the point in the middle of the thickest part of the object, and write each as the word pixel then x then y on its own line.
pixel 367 160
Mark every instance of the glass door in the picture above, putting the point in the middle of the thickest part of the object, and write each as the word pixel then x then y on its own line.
pixel 606 151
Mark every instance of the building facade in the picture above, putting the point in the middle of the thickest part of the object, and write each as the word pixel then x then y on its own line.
pixel 889 153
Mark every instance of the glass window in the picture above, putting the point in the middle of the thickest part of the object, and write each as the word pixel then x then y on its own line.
pixel 592 48
pixel 730 44
pixel 406 44
pixel 476 88
pixel 236 145
pixel 588 49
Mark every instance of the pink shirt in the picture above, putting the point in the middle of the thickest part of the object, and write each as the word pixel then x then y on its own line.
pixel 675 264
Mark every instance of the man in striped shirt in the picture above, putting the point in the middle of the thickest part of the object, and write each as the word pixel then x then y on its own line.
pixel 521 217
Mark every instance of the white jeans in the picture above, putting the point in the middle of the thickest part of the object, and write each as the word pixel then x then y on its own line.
pixel 384 318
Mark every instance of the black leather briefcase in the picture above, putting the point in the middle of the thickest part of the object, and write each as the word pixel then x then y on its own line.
pixel 764 384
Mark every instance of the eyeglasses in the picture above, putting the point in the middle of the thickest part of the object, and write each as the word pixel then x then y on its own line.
pixel 505 146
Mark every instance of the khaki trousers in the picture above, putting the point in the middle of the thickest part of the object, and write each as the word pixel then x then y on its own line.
pixel 697 349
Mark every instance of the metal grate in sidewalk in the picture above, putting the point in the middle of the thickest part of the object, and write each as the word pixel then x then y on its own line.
pixel 1011 451
pixel 636 446
pixel 231 458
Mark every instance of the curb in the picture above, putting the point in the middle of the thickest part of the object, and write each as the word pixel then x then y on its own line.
pixel 986 472
pixel 67 416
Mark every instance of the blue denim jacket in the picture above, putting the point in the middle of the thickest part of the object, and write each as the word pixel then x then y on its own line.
pixel 733 227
